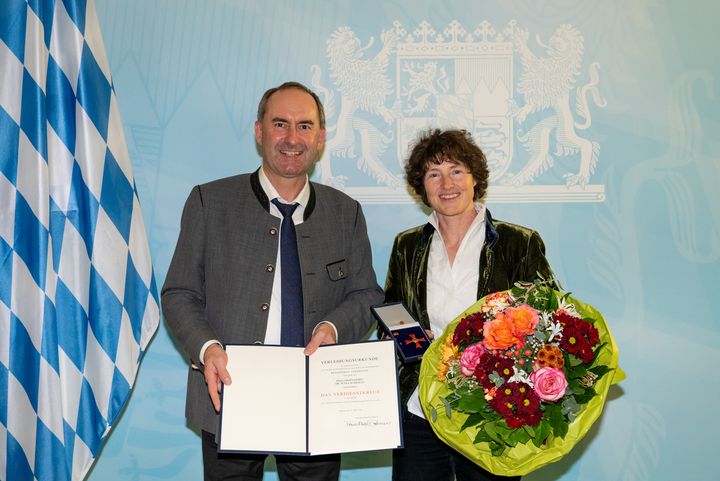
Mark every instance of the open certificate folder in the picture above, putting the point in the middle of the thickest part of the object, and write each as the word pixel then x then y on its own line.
pixel 341 399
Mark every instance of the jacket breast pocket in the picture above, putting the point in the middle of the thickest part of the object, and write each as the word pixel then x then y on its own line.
pixel 337 271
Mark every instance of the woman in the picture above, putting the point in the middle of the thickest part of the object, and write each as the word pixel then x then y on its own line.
pixel 439 269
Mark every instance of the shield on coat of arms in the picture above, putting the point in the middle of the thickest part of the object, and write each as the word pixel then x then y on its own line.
pixel 458 83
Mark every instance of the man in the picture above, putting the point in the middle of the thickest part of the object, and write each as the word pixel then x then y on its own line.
pixel 224 282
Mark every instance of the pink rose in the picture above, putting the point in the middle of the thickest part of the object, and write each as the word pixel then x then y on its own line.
pixel 550 383
pixel 470 358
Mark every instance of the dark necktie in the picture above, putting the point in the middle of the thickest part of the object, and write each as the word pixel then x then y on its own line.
pixel 291 314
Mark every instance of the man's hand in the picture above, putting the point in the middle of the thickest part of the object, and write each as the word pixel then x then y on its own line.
pixel 324 334
pixel 216 373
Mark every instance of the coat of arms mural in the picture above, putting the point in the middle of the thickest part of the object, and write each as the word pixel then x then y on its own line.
pixel 527 103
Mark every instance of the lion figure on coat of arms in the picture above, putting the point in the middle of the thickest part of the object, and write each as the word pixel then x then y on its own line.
pixel 546 84
pixel 364 88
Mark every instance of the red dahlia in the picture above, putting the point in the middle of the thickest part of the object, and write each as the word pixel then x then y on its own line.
pixel 579 337
pixel 469 330
pixel 489 364
pixel 518 404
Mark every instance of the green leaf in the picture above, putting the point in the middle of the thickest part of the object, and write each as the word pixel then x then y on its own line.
pixel 600 371
pixel 574 361
pixel 572 384
pixel 529 429
pixel 541 336
pixel 557 420
pixel 448 408
pixel 497 449
pixel 472 420
pixel 541 432
pixel 502 429
pixel 570 407
pixel 554 415
pixel 562 430
pixel 482 437
pixel 518 436
pixel 576 372
pixel 433 413
pixel 490 429
pixel 553 304
pixel 512 439
pixel 578 390
pixel 496 379
pixel 454 396
pixel 473 403
pixel 586 396
pixel 600 346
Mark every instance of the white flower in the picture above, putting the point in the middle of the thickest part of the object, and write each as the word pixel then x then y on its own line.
pixel 545 319
pixel 520 376
pixel 569 307
pixel 555 330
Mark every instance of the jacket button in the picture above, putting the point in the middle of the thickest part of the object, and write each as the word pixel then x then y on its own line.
pixel 264 306
pixel 269 268
pixel 273 231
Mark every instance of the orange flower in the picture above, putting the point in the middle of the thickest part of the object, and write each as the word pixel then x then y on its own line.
pixel 550 356
pixel 500 333
pixel 524 319
pixel 490 393
pixel 448 350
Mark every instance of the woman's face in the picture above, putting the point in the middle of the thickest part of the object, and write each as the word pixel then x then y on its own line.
pixel 449 188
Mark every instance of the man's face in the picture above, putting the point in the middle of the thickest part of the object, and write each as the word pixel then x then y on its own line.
pixel 289 134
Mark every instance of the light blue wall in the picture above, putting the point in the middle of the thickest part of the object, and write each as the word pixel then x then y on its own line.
pixel 641 241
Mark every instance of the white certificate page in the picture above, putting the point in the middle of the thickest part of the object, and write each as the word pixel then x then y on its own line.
pixel 264 408
pixel 353 400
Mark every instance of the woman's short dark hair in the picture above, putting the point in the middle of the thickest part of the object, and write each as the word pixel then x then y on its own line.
pixel 436 146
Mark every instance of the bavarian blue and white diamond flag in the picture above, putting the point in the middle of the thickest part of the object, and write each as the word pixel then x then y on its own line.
pixel 78 300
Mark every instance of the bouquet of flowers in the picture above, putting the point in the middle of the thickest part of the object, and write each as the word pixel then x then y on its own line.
pixel 519 377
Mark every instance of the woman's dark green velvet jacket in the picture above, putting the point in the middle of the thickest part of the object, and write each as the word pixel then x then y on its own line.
pixel 510 253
